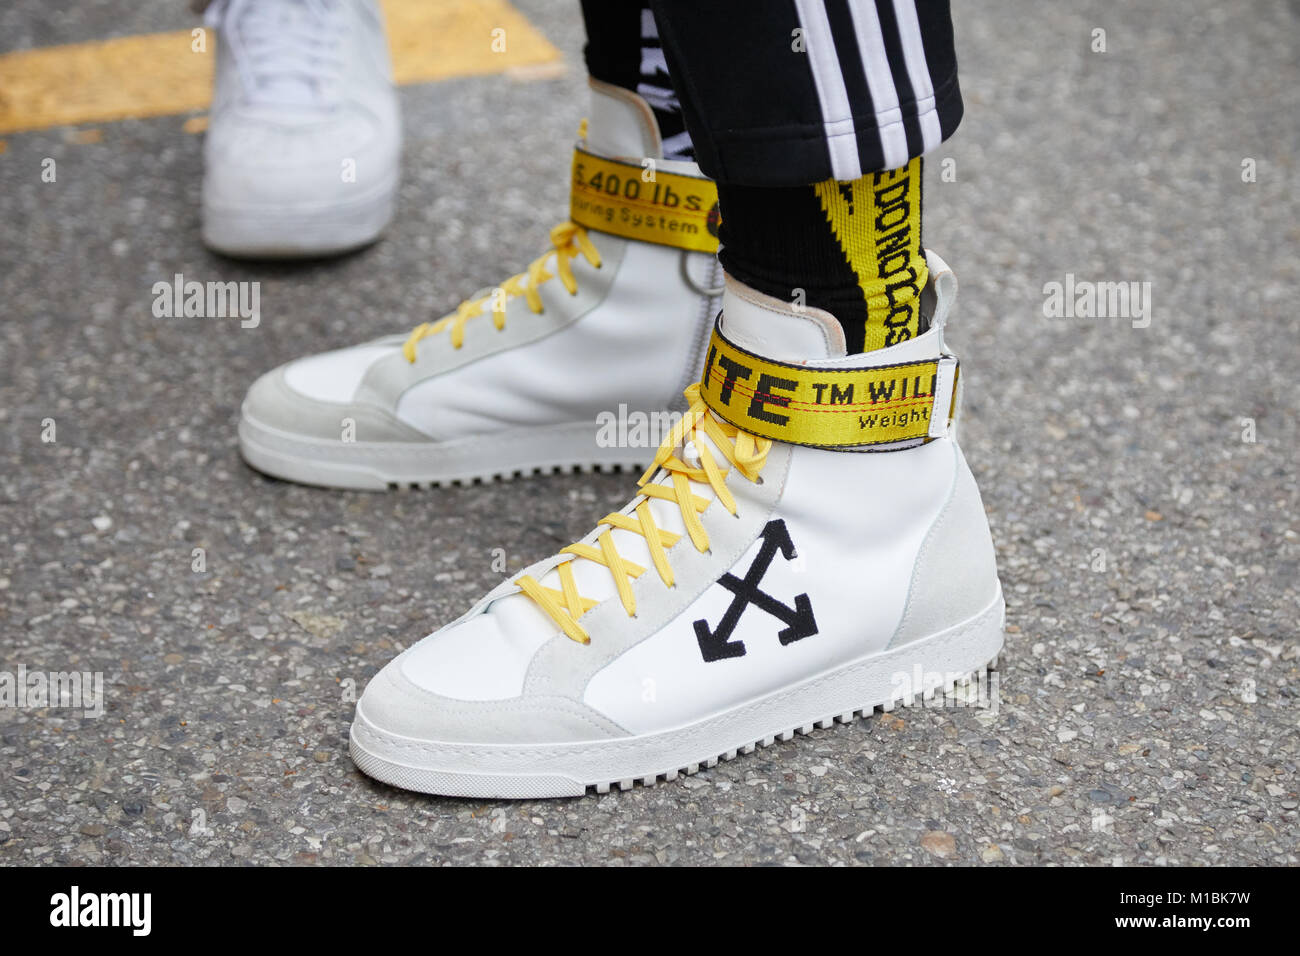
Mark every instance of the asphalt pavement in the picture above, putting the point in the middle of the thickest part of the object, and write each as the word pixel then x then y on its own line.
pixel 1140 474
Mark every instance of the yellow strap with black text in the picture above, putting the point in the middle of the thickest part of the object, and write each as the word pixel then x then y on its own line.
pixel 638 201
pixel 828 408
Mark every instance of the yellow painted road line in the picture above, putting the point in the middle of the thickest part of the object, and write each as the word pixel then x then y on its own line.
pixel 160 74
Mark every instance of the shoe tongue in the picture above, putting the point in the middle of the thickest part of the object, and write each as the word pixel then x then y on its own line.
pixel 784 331
pixel 282 37
pixel 621 125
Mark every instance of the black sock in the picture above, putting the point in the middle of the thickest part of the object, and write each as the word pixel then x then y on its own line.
pixel 851 248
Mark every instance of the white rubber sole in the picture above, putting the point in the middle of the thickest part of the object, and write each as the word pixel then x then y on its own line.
pixel 377 466
pixel 939 662
pixel 298 232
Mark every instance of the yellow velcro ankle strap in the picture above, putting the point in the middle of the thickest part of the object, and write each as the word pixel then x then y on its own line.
pixel 829 408
pixel 639 201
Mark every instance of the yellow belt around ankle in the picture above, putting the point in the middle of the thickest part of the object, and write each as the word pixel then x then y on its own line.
pixel 828 408
pixel 643 202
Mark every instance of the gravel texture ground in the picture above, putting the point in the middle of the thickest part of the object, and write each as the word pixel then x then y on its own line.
pixel 1141 493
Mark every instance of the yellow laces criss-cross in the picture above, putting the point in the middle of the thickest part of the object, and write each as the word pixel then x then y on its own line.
pixel 745 452
pixel 568 241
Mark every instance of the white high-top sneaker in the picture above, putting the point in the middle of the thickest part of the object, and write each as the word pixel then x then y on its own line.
pixel 562 366
pixel 809 545
pixel 304 138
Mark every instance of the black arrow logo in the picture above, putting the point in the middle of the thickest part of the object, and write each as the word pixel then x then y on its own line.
pixel 716 644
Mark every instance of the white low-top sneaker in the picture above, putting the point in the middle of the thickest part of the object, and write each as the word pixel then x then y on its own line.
pixel 808 545
pixel 303 148
pixel 572 363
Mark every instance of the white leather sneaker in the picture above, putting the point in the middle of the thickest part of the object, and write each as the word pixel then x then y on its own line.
pixel 561 366
pixel 304 137
pixel 809 545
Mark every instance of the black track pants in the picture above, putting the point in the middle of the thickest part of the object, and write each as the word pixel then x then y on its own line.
pixel 788 92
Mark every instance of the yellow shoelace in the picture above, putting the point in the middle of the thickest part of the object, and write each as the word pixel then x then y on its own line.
pixel 568 241
pixel 744 451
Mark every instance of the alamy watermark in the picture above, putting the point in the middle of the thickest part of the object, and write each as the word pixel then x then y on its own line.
pixel 192 299
pixel 634 429
pixel 919 687
pixel 1084 299
pixel 38 690
pixel 131 911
